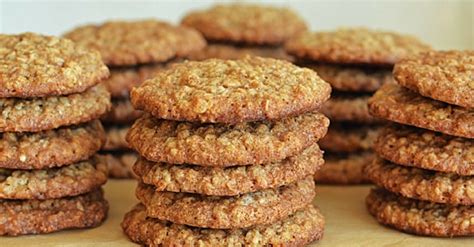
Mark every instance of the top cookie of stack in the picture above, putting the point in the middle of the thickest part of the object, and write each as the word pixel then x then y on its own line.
pixel 356 62
pixel 135 51
pixel 50 102
pixel 237 30
pixel 229 145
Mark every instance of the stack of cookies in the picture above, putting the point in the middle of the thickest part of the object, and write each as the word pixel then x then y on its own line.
pixel 50 101
pixel 134 51
pixel 356 62
pixel 228 154
pixel 237 30
pixel 425 164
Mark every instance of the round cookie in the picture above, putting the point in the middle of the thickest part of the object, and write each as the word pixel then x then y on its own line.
pixel 420 217
pixel 258 208
pixel 303 227
pixel 122 112
pixel 33 115
pixel 229 181
pixel 120 164
pixel 123 79
pixel 229 51
pixel 245 23
pixel 426 149
pixel 342 107
pixel 50 148
pixel 252 89
pixel 361 79
pixel 422 184
pixel 347 138
pixel 401 105
pixel 442 75
pixel 116 139
pixel 59 182
pixel 42 66
pixel 221 145
pixel 20 217
pixel 355 46
pixel 137 42
pixel 344 169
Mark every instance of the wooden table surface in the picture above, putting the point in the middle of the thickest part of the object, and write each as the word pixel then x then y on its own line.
pixel 347 223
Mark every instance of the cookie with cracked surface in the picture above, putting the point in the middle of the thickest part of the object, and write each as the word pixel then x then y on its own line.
pixel 344 169
pixel 353 78
pixel 229 51
pixel 420 217
pixel 421 184
pixel 121 112
pixel 34 65
pixel 231 91
pixel 120 164
pixel 347 138
pixel 116 138
pixel 21 217
pixel 343 107
pixel 69 180
pixel 258 208
pixel 50 148
pixel 231 181
pixel 410 146
pixel 38 114
pixel 221 145
pixel 138 42
pixel 355 46
pixel 442 75
pixel 246 23
pixel 301 228
pixel 398 104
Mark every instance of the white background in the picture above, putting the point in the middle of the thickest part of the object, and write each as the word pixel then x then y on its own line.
pixel 443 24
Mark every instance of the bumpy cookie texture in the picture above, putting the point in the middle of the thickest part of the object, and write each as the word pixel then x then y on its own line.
pixel 116 138
pixel 50 148
pixel 121 112
pixel 401 105
pixel 426 149
pixel 229 181
pixel 343 107
pixel 123 79
pixel 223 145
pixel 20 217
pixel 422 184
pixel 229 51
pixel 303 227
pixel 344 169
pixel 353 78
pixel 355 46
pixel 231 91
pixel 137 42
pixel 419 217
pixel 246 23
pixel 33 65
pixel 33 115
pixel 120 164
pixel 349 138
pixel 442 75
pixel 258 208
pixel 51 183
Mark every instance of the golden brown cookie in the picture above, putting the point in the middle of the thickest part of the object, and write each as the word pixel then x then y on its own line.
pixel 52 183
pixel 121 112
pixel 50 148
pixel 245 23
pixel 398 104
pixel 38 114
pixel 20 217
pixel 410 146
pixel 252 89
pixel 442 75
pixel 301 228
pixel 137 42
pixel 353 78
pixel 221 145
pixel 120 164
pixel 344 169
pixel 229 181
pixel 347 138
pixel 421 184
pixel 343 107
pixel 355 46
pixel 34 65
pixel 420 217
pixel 116 138
pixel 258 208
pixel 229 51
